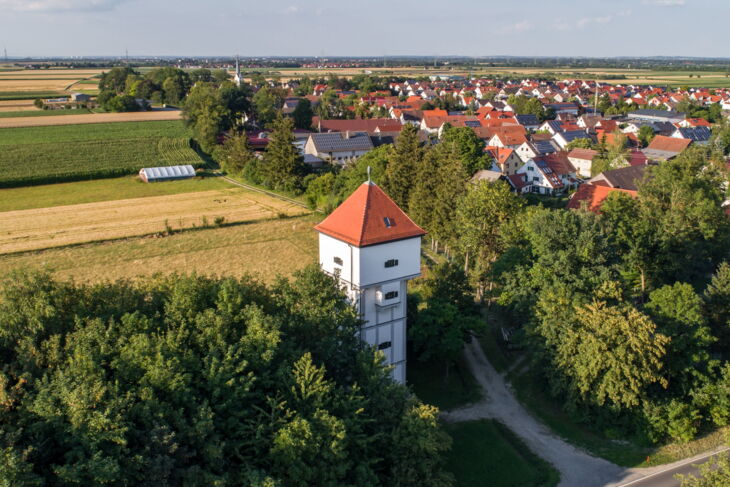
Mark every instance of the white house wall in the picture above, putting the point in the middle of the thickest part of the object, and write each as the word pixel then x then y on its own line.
pixel 371 269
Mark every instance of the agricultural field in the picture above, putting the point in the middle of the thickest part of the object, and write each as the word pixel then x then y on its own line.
pixel 60 226
pixel 34 112
pixel 264 248
pixel 17 105
pixel 96 190
pixel 28 95
pixel 81 116
pixel 44 80
pixel 708 79
pixel 76 152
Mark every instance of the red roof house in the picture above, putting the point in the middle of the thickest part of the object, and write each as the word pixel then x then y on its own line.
pixel 593 196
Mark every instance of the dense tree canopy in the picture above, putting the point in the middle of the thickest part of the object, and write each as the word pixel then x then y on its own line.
pixel 199 381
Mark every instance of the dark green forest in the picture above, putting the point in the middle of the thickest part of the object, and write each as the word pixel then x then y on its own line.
pixel 192 381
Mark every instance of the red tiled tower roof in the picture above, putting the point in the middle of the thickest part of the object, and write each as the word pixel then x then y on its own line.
pixel 369 217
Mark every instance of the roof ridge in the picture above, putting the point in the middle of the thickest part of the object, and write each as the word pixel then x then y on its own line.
pixel 365 209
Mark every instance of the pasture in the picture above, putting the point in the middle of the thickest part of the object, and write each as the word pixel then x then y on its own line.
pixel 77 152
pixel 265 248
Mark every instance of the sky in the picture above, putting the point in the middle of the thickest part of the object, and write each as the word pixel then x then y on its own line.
pixel 600 28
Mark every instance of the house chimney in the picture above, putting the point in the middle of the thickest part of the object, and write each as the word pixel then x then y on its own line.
pixel 347 134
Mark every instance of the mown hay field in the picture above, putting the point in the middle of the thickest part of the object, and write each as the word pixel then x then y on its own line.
pixel 265 248
pixel 17 105
pixel 48 117
pixel 77 152
pixel 59 226
pixel 35 84
pixel 78 192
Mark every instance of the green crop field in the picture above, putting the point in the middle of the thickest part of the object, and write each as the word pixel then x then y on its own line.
pixel 98 131
pixel 44 113
pixel 77 152
pixel 29 95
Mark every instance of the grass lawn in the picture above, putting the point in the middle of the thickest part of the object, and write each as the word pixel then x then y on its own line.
pixel 429 384
pixel 487 454
pixel 93 191
pixel 267 248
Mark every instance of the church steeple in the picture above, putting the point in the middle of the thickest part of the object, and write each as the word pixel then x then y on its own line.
pixel 237 78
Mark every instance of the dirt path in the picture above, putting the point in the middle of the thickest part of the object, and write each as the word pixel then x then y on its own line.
pixel 577 468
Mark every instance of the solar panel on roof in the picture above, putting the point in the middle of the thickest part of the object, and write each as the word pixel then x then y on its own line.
pixel 472 123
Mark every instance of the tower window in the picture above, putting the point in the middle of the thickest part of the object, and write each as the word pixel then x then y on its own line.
pixel 338 261
pixel 391 263
pixel 391 295
pixel 384 345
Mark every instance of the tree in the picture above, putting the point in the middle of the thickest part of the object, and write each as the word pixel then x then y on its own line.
pixel 403 165
pixel 283 164
pixel 121 103
pixel 303 114
pixel 266 104
pixel 115 80
pixel 451 180
pixel 582 143
pixel 612 354
pixel 678 312
pixel 646 135
pixel 713 473
pixel 448 320
pixel 480 215
pixel 186 380
pixel 717 305
pixel 471 148
pixel 205 113
pixel 681 200
pixel 235 154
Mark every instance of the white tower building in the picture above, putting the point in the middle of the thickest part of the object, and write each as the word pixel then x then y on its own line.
pixel 372 246
pixel 237 78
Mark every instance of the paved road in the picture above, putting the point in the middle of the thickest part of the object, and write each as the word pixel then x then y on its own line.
pixel 577 468
pixel 664 476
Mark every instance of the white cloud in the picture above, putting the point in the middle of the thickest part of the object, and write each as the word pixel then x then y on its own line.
pixel 582 23
pixel 58 5
pixel 292 9
pixel 521 26
pixel 664 3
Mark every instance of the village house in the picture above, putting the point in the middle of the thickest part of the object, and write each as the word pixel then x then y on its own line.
pixel 504 159
pixel 663 148
pixel 582 161
pixel 536 148
pixel 590 197
pixel 338 147
pixel 623 178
